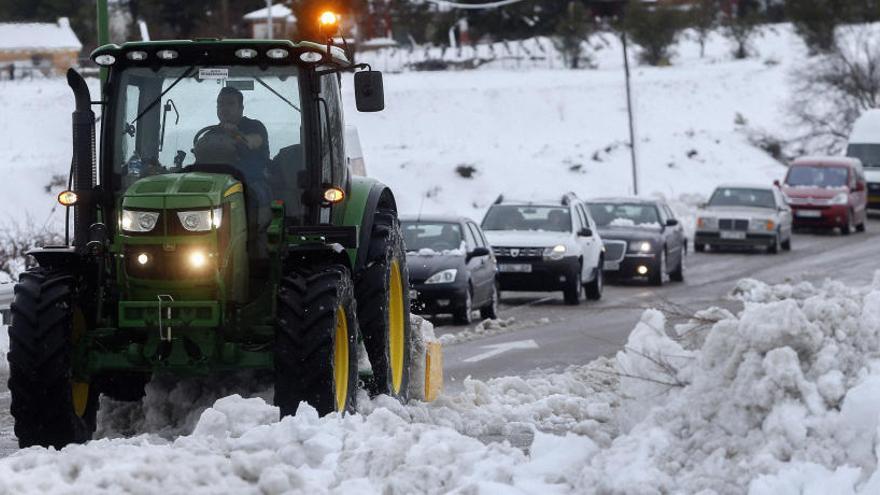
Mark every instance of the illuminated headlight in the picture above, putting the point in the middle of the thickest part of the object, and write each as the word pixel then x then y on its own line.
pixel 643 247
pixel 143 259
pixel 840 199
pixel 139 221
pixel 201 220
pixel 443 277
pixel 556 252
pixel 709 223
pixel 198 259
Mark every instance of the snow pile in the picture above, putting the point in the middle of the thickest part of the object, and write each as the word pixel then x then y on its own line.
pixel 783 399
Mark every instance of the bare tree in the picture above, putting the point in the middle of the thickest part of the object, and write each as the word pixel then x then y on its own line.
pixel 831 92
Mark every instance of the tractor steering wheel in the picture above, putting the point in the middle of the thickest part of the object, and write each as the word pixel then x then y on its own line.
pixel 237 136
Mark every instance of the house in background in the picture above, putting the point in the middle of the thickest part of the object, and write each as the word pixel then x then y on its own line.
pixel 283 23
pixel 50 48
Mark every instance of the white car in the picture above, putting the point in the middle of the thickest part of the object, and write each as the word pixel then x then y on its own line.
pixel 744 215
pixel 546 246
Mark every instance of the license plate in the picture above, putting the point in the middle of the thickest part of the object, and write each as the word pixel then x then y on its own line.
pixel 733 235
pixel 515 268
pixel 611 266
pixel 808 213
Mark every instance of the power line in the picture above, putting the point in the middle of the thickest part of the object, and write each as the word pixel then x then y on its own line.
pixel 474 6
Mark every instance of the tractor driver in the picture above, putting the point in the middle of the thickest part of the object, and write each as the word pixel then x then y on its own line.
pixel 252 140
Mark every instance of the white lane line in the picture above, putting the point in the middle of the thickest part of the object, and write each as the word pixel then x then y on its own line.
pixel 496 349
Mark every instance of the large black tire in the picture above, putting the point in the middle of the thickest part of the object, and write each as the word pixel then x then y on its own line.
pixel 594 287
pixel 574 290
pixel 316 341
pixel 45 322
pixel 382 292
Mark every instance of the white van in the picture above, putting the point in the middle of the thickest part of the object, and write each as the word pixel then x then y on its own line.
pixel 864 144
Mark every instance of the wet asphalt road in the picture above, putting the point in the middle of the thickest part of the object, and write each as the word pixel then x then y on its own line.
pixel 564 335
pixel 548 335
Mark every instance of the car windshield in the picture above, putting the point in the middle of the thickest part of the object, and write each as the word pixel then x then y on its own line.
pixel 625 215
pixel 811 176
pixel 736 196
pixel 510 217
pixel 431 237
pixel 245 117
pixel 868 153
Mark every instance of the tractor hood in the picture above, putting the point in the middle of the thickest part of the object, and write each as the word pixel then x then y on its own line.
pixel 181 190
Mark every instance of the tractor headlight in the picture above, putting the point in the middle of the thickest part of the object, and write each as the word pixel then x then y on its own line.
pixel 198 259
pixel 201 220
pixel 556 252
pixel 443 277
pixel 139 221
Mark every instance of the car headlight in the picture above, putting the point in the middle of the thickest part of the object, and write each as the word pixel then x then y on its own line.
pixel 443 277
pixel 840 199
pixel 139 221
pixel 762 224
pixel 201 220
pixel 707 223
pixel 641 247
pixel 556 252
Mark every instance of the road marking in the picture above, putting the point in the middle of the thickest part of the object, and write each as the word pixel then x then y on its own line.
pixel 496 349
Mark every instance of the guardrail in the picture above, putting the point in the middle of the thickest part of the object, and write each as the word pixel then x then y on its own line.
pixel 6 294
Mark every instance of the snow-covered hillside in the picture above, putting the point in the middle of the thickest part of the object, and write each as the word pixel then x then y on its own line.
pixel 530 133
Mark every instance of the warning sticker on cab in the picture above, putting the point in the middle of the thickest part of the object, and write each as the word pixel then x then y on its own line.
pixel 213 73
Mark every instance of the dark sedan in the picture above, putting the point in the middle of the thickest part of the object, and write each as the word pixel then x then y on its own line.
pixel 642 237
pixel 451 267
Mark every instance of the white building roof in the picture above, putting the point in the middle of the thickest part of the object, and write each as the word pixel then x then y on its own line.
pixel 278 12
pixel 20 36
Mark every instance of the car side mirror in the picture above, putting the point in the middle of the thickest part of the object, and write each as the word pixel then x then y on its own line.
pixel 777 183
pixel 479 251
pixel 860 186
pixel 369 92
pixel 703 205
pixel 671 222
pixel 585 232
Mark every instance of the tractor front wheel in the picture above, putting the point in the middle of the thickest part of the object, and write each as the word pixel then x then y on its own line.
pixel 383 307
pixel 316 341
pixel 50 407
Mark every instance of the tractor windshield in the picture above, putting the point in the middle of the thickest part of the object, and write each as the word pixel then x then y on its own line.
pixel 242 117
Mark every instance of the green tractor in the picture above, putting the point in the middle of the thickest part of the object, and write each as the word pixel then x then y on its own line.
pixel 219 229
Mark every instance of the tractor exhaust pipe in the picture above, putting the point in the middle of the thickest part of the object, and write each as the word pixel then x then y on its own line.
pixel 83 166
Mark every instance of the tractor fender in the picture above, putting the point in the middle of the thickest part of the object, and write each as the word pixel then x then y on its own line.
pixel 367 195
pixel 56 256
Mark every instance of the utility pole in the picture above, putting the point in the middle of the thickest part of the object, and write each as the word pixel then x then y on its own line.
pixel 269 19
pixel 629 111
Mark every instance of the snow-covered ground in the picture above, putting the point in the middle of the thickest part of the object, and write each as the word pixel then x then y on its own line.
pixel 781 398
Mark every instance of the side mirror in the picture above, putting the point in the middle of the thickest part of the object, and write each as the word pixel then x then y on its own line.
pixel 777 184
pixel 671 222
pixel 702 206
pixel 369 93
pixel 478 251
pixel 585 232
pixel 860 186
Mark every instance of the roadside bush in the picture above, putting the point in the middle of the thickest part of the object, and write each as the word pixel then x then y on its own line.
pixel 572 30
pixel 654 29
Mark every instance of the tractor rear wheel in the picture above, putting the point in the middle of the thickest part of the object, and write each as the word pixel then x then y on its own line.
pixel 383 307
pixel 316 341
pixel 50 408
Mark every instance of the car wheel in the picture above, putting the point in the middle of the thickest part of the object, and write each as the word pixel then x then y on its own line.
pixel 659 274
pixel 677 275
pixel 594 287
pixel 774 248
pixel 574 292
pixel 861 227
pixel 490 310
pixel 464 314
pixel 699 247
pixel 786 244
pixel 848 228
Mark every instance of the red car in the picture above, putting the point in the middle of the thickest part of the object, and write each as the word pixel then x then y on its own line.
pixel 827 192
